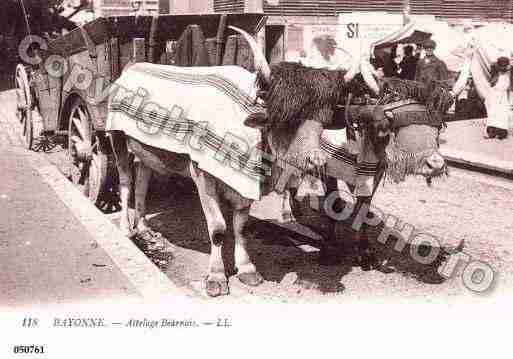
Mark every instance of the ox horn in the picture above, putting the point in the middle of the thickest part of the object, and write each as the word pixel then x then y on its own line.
pixel 261 64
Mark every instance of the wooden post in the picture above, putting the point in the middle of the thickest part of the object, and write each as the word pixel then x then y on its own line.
pixel 230 53
pixel 114 59
pixel 261 40
pixel 152 44
pixel 220 39
pixel 139 50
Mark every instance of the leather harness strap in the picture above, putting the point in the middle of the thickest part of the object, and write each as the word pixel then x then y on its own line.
pixel 350 131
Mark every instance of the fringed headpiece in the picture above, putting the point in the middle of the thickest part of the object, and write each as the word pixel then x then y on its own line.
pixel 297 92
pixel 435 96
pixel 412 102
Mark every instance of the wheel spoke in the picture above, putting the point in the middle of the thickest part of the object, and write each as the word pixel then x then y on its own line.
pixel 80 129
pixel 88 166
pixel 85 121
pixel 20 100
pixel 81 114
pixel 18 90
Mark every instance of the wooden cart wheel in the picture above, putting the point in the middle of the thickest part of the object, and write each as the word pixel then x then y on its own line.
pixel 24 106
pixel 88 162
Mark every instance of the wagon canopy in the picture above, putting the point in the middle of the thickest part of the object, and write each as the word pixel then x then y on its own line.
pixel 451 42
pixel 411 33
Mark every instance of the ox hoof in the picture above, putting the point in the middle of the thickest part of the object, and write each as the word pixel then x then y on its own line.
pixel 331 255
pixel 329 259
pixel 251 279
pixel 367 261
pixel 216 287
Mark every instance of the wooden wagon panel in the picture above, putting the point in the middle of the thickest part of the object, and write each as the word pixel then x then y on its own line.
pixel 126 28
pixel 106 45
pixel 48 89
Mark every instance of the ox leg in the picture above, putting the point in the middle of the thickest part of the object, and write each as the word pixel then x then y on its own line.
pixel 366 258
pixel 246 271
pixel 286 210
pixel 216 281
pixel 142 182
pixel 120 149
pixel 331 251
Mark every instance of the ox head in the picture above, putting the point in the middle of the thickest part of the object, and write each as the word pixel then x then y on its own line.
pixel 405 130
pixel 299 103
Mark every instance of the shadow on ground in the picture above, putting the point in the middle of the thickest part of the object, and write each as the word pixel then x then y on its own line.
pixel 177 215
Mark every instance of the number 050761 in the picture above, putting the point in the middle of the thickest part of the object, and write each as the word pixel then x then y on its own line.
pixel 28 349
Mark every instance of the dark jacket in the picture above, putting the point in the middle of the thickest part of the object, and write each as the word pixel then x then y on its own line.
pixel 434 69
pixel 390 67
pixel 408 67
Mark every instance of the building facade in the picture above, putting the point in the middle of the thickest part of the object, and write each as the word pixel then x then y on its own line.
pixel 488 10
pixel 151 7
pixel 178 7
pixel 292 24
pixel 128 7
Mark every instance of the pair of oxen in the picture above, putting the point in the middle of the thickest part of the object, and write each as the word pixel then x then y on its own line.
pixel 292 131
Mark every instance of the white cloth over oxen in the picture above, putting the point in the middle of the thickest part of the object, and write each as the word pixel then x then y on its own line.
pixel 350 161
pixel 201 112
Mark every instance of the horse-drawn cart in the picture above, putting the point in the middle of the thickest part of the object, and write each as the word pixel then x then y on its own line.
pixel 66 93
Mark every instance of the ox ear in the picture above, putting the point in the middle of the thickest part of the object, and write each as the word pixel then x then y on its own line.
pixel 257 120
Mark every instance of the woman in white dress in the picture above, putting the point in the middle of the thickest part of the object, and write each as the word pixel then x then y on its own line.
pixel 496 95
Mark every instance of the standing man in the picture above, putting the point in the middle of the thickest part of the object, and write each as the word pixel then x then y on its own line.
pixel 430 67
pixel 408 64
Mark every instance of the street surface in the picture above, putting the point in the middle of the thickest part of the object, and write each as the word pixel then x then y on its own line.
pixel 47 257
pixel 467 207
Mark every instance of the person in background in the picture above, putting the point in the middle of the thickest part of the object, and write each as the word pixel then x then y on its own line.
pixel 408 65
pixel 325 53
pixel 496 94
pixel 418 51
pixel 391 69
pixel 431 67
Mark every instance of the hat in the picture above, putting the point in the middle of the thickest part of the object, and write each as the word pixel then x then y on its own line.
pixel 429 44
pixel 502 61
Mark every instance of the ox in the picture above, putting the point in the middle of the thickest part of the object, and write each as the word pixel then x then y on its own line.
pixel 300 102
pixel 397 136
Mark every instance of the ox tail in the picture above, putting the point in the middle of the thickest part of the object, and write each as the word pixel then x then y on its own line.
pixel 261 64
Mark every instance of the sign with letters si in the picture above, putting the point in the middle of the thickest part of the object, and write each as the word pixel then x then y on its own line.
pixel 358 30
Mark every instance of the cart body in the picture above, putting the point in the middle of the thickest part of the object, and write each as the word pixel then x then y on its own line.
pixel 99 51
